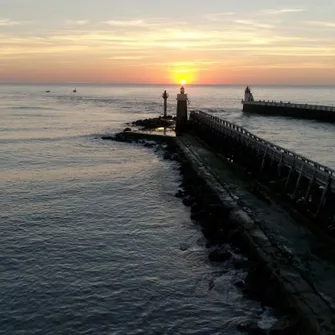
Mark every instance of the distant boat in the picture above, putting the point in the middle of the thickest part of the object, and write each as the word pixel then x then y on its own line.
pixel 75 90
pixel 47 91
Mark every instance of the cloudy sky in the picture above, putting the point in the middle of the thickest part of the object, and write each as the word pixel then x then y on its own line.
pixel 210 42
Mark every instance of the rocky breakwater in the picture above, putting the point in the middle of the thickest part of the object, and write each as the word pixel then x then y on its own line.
pixel 225 227
pixel 154 123
pixel 232 236
pixel 146 129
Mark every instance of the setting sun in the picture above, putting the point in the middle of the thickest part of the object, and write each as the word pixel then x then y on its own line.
pixel 183 76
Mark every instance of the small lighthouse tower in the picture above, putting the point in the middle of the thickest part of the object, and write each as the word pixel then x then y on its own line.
pixel 181 121
pixel 248 95
pixel 165 96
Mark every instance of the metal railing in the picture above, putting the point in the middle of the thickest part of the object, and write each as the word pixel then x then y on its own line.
pixel 290 105
pixel 311 169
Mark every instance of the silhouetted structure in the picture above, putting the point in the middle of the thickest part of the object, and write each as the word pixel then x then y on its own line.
pixel 165 96
pixel 181 121
pixel 301 111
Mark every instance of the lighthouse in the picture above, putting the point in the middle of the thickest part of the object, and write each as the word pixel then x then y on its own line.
pixel 248 95
pixel 181 121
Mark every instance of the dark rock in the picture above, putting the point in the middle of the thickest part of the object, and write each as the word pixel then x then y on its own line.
pixel 285 326
pixel 220 255
pixel 154 123
pixel 166 117
pixel 199 215
pixel 210 244
pixel 120 137
pixel 196 207
pixel 251 327
pixel 240 263
pixel 149 145
pixel 188 202
pixel 168 156
pixel 239 284
pixel 234 235
pixel 126 129
pixel 179 194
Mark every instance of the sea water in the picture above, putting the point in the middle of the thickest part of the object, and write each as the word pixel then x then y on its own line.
pixel 93 240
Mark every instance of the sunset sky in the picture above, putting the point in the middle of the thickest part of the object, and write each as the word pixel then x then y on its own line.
pixel 147 41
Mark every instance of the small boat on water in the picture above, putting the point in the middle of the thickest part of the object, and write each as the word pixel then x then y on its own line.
pixel 279 108
pixel 75 90
pixel 47 91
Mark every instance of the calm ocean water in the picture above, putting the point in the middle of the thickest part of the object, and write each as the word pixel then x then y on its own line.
pixel 92 239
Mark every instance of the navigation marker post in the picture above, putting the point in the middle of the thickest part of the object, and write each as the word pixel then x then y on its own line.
pixel 165 96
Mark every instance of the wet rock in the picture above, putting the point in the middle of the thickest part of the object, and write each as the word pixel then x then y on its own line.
pixel 214 209
pixel 153 123
pixel 126 129
pixel 120 137
pixel 220 255
pixel 251 327
pixel 188 202
pixel 149 144
pixel 240 263
pixel 239 283
pixel 234 236
pixel 287 325
pixel 198 215
pixel 182 185
pixel 262 285
pixel 179 194
pixel 168 156
pixel 167 117
pixel 197 206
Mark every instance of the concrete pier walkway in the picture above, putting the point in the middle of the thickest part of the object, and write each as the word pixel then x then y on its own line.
pixel 303 264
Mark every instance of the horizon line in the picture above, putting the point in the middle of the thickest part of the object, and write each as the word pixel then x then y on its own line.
pixel 160 84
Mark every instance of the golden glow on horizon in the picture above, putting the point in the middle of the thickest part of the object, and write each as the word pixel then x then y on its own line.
pixel 183 75
pixel 211 47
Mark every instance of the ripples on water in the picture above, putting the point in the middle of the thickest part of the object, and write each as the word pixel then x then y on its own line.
pixel 93 240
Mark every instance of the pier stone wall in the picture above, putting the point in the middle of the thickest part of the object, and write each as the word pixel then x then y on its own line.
pixel 290 105
pixel 308 186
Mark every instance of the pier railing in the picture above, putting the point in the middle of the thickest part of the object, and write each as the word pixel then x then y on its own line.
pixel 291 105
pixel 302 179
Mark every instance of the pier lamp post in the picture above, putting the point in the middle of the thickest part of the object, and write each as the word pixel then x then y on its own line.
pixel 181 121
pixel 165 96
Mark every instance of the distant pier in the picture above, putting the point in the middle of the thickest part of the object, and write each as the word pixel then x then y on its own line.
pixel 301 111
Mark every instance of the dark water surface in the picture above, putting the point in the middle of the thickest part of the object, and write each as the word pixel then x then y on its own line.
pixel 92 239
